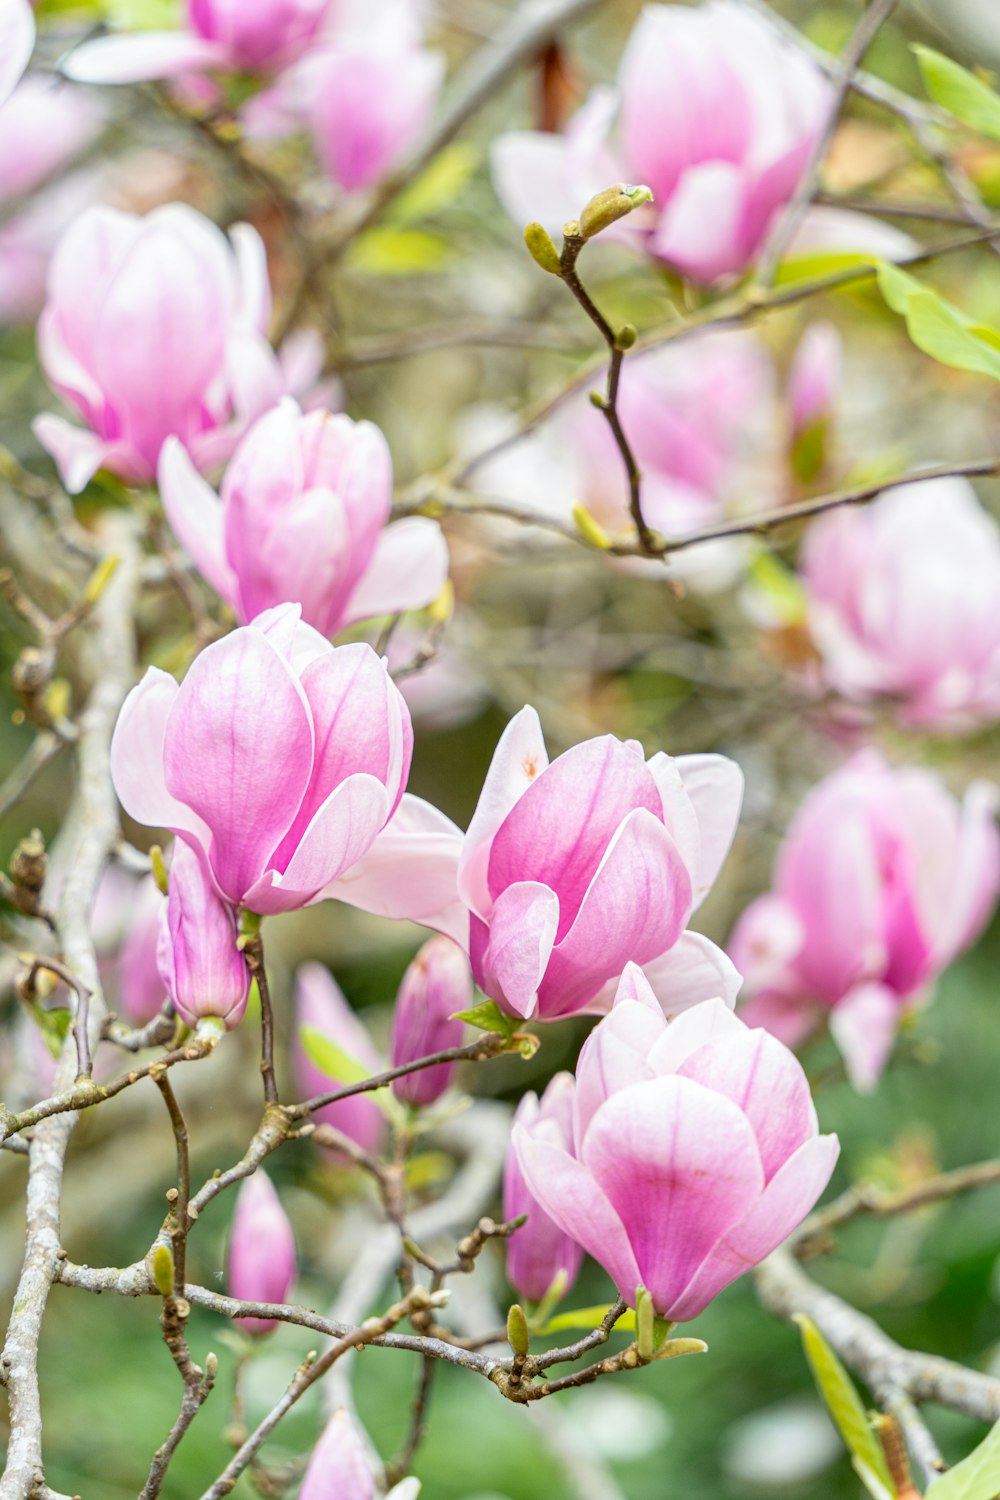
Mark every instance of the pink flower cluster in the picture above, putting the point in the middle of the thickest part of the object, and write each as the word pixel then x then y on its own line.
pixel 717 114
pixel 362 84
pixel 682 1155
pixel 882 881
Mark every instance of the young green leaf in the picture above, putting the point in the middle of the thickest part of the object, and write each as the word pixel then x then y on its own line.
pixel 976 1477
pixel 938 328
pixel 960 92
pixel 586 1318
pixel 839 1392
pixel 332 1060
pixel 488 1017
pixel 871 1481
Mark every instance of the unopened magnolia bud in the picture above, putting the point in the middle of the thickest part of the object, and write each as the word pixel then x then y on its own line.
pixel 610 205
pixel 29 863
pixel 626 336
pixel 596 399
pixel 211 1367
pixel 339 1465
pixel 675 1348
pixel 32 670
pixel 262 1262
pixel 517 1329
pixel 541 249
pixel 435 987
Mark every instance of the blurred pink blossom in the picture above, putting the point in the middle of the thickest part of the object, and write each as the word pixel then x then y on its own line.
pixel 303 516
pixel 17 41
pixel 567 869
pixel 814 377
pixel 719 116
pixel 436 985
pixel 279 758
pixel 903 602
pixel 339 1465
pixel 154 327
pixel 321 1006
pixel 540 1250
pixel 695 1150
pixel 262 1263
pixel 883 880
pixel 225 36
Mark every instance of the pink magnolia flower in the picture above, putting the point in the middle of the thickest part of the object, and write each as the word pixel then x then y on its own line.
pixel 17 42
pixel 339 1464
pixel 903 602
pixel 565 870
pixel 125 921
pixel 303 513
pixel 279 757
pixel 695 1153
pixel 320 1005
pixel 154 327
pixel 814 377
pixel 262 1260
pixel 43 125
pixel 883 879
pixel 540 1250
pixel 204 972
pixel 225 36
pixel 719 116
pixel 436 985
pixel 365 93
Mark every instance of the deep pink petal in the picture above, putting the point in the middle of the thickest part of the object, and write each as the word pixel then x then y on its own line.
pixel 760 1075
pixel 238 749
pixel 634 909
pixel 340 832
pixel 509 959
pixel 572 1198
pixel 781 1207
pixel 560 829
pixel 518 759
pixel 680 1166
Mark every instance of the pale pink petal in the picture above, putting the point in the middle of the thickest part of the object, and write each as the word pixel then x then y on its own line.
pixel 699 231
pixel 864 1026
pixel 408 569
pixel 140 56
pixel 759 1074
pixel 714 784
pixel 78 454
pixel 781 1207
pixel 339 833
pixel 238 748
pixel 510 956
pixel 571 1197
pixel 766 940
pixel 17 41
pixel 194 511
pixel 519 757
pixel 975 878
pixel 410 872
pixel 680 1166
pixel 694 969
pixel 137 759
pixel 710 1021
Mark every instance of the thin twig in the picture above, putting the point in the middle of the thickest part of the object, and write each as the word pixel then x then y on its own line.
pixel 872 20
pixel 44 748
pixel 490 1044
pixel 253 952
pixel 867 1198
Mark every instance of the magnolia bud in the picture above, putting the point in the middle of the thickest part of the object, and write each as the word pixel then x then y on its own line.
pixel 204 973
pixel 541 249
pixel 437 984
pixel 610 205
pixel 338 1465
pixel 262 1262
pixel 539 1251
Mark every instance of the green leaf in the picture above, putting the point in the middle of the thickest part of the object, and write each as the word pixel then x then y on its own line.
pixel 779 588
pixel 586 1318
pixel 938 328
pixel 488 1017
pixel 960 92
pixel 838 1391
pixel 388 250
pixel 817 265
pixel 872 1483
pixel 439 185
pixel 332 1061
pixel 976 1477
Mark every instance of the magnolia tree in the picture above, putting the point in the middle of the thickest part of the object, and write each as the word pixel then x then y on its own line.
pixel 672 474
